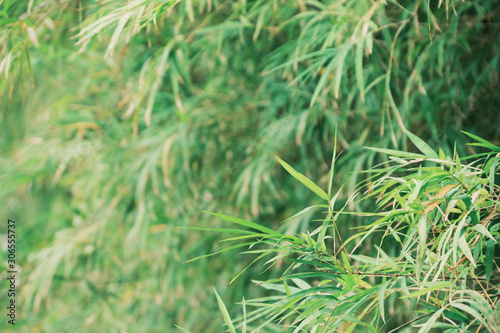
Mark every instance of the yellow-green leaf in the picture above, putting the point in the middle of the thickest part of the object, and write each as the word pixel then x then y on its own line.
pixel 303 179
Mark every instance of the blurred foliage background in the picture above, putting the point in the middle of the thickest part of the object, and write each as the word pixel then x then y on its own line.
pixel 122 121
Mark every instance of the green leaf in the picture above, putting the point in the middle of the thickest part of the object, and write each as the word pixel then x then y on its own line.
pixel 332 167
pixel 359 68
pixel 482 229
pixel 314 263
pixel 394 152
pixel 231 231
pixel 339 65
pixel 182 329
pixel 312 307
pixel 349 279
pixel 375 82
pixel 320 241
pixel 442 155
pixel 490 251
pixel 317 291
pixel 492 171
pixel 421 145
pixel 225 314
pixel 244 328
pixel 473 312
pixel 318 275
pixel 322 82
pixel 303 179
pixel 243 223
pixel 462 243
pixel 429 323
pixel 258 26
pixel 381 300
pixel 287 289
pixel 452 313
pixel 480 303
pixel 482 142
pixel 422 235
pixel 425 291
pixel 254 261
pixel 303 211
pixel 221 251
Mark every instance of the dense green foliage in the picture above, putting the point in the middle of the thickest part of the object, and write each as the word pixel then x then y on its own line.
pixel 439 220
pixel 122 120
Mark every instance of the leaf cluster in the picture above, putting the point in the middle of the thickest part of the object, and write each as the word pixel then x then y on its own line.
pixel 439 214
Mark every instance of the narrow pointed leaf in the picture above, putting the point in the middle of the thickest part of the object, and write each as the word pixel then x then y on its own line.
pixel 490 250
pixel 427 290
pixel 225 314
pixel 421 145
pixel 243 223
pixel 462 243
pixel 303 179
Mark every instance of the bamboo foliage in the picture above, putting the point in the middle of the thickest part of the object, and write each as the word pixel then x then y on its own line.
pixel 436 256
pixel 123 120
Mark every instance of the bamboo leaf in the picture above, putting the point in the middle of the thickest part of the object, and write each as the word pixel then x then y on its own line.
pixel 225 314
pixel 481 229
pixel 393 152
pixel 322 82
pixel 244 328
pixel 332 167
pixel 462 243
pixel 243 223
pixel 304 180
pixel 482 142
pixel 422 146
pixel 427 290
pixel 359 68
pixel 182 329
pixel 381 300
pixel 429 323
pixel 422 235
pixel 489 258
pixel 303 211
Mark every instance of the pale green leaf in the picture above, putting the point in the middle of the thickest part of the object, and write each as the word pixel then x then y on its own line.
pixel 225 314
pixel 421 145
pixel 427 290
pixel 303 179
pixel 462 243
